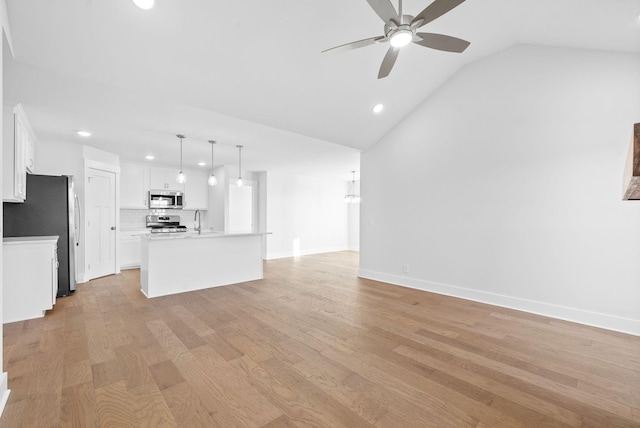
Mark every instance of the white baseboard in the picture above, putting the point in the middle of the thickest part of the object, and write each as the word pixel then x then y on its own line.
pixel 128 266
pixel 285 254
pixel 4 391
pixel 594 319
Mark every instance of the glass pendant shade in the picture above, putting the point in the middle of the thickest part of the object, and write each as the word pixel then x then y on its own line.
pixel 239 182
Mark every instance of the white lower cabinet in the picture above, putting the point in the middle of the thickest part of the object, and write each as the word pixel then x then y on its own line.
pixel 30 277
pixel 130 249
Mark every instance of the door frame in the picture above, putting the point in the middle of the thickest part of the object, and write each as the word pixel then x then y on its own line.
pixel 101 166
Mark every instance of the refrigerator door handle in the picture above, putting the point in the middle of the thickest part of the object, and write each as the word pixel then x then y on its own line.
pixel 77 225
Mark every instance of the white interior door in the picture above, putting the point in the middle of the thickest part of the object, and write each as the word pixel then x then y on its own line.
pixel 240 209
pixel 101 222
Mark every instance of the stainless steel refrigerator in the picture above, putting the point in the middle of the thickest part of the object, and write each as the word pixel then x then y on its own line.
pixel 51 208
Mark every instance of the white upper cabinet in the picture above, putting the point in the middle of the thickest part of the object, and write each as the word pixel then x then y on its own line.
pixel 30 156
pixel 17 150
pixel 134 183
pixel 196 190
pixel 163 179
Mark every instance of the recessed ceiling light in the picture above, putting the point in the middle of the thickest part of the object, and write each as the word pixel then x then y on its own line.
pixel 84 133
pixel 378 108
pixel 201 163
pixel 144 4
pixel 150 157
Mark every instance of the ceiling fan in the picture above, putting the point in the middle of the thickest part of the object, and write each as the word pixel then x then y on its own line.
pixel 400 30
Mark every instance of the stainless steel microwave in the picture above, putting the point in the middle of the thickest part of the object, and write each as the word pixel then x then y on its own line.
pixel 166 199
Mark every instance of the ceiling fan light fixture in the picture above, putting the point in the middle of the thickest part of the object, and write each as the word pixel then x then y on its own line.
pixel 401 38
pixel 144 4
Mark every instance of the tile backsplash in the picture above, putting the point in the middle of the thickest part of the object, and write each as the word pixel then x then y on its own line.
pixel 136 219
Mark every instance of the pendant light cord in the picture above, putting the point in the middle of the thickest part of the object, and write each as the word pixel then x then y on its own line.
pixel 212 144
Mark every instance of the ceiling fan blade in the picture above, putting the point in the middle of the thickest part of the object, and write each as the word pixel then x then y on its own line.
pixel 388 62
pixel 435 10
pixel 441 42
pixel 384 9
pixel 355 45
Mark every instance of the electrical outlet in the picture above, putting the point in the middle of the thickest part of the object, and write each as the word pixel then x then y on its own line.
pixel 405 269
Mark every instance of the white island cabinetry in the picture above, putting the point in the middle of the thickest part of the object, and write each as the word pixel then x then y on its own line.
pixel 30 277
pixel 175 264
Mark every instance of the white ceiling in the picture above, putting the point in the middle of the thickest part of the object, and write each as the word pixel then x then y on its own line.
pixel 251 72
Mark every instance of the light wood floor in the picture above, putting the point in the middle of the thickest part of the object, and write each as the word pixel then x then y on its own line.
pixel 311 345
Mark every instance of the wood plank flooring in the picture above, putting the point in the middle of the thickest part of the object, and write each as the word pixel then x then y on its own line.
pixel 311 345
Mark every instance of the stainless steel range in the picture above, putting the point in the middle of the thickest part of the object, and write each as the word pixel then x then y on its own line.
pixel 165 224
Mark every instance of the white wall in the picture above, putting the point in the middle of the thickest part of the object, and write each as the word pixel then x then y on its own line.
pixel 354 223
pixel 504 187
pixel 5 43
pixel 215 213
pixel 306 215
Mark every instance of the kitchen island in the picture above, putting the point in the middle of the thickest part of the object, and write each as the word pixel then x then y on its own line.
pixel 178 262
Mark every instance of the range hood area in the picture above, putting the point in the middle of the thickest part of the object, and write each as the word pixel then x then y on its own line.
pixel 631 180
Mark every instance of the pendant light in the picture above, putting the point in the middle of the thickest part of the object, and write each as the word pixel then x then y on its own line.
pixel 181 178
pixel 239 182
pixel 352 196
pixel 212 178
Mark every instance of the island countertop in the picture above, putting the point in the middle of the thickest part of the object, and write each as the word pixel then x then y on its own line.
pixel 197 235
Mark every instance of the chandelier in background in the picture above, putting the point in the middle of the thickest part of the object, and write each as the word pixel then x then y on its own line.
pixel 352 196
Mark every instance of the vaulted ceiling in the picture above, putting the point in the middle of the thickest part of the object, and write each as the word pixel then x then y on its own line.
pixel 251 72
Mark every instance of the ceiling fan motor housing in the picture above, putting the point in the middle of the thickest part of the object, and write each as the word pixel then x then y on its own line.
pixel 392 26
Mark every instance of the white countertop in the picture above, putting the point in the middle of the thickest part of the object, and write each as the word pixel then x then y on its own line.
pixel 30 240
pixel 196 235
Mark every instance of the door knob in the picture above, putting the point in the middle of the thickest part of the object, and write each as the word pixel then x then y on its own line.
pixel 113 228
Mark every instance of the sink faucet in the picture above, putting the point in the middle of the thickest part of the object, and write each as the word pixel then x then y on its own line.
pixel 198 215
